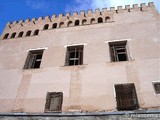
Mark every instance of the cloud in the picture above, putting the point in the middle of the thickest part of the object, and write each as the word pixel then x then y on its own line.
pixel 37 4
pixel 93 4
pixel 86 4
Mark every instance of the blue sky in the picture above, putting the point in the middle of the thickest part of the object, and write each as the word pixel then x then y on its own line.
pixel 11 10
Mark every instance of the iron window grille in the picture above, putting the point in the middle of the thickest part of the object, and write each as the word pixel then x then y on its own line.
pixel 74 55
pixel 126 97
pixel 54 102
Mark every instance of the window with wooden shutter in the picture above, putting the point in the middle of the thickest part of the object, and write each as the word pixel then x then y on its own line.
pixel 118 51
pixel 34 59
pixel 126 97
pixel 74 55
pixel 54 102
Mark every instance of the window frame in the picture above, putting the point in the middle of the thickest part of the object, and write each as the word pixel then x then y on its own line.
pixel 32 59
pixel 116 46
pixel 155 91
pixel 74 50
pixel 49 97
pixel 124 98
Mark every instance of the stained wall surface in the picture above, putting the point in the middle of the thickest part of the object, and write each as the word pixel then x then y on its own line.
pixel 87 87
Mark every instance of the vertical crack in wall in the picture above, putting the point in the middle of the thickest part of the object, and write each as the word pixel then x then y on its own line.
pixel 22 93
pixel 75 90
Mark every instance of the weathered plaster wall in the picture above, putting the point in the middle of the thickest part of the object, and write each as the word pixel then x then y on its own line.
pixel 87 87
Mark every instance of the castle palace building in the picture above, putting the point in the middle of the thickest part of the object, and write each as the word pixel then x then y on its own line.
pixel 89 62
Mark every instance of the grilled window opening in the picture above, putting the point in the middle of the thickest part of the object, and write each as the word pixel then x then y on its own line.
pixel 34 59
pixel 74 55
pixel 126 97
pixel 118 51
pixel 54 102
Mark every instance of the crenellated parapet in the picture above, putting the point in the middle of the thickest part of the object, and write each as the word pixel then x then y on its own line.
pixel 68 20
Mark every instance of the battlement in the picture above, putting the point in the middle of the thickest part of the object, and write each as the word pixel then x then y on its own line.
pixel 75 19
pixel 89 13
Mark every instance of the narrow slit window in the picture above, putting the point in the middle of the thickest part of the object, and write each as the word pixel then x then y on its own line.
pixel 126 97
pixel 118 51
pixel 54 102
pixel 157 87
pixel 74 55
pixel 34 59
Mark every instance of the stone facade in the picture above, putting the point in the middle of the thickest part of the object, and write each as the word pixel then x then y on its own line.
pixel 86 87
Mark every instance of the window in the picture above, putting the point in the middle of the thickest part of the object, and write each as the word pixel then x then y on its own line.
pixel 61 24
pixel 107 19
pixel 100 20
pixel 20 34
pixel 126 97
pixel 36 32
pixel 118 51
pixel 93 20
pixel 54 25
pixel 69 23
pixel 157 87
pixel 6 36
pixel 46 27
pixel 74 55
pixel 76 23
pixel 54 102
pixel 34 59
pixel 84 21
pixel 28 33
pixel 13 35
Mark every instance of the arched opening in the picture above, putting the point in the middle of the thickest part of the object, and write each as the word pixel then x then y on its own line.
pixel 13 35
pixel 76 23
pixel 92 21
pixel 69 23
pixel 28 33
pixel 100 20
pixel 61 24
pixel 54 25
pixel 36 32
pixel 84 21
pixel 6 36
pixel 20 34
pixel 46 27
pixel 107 19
